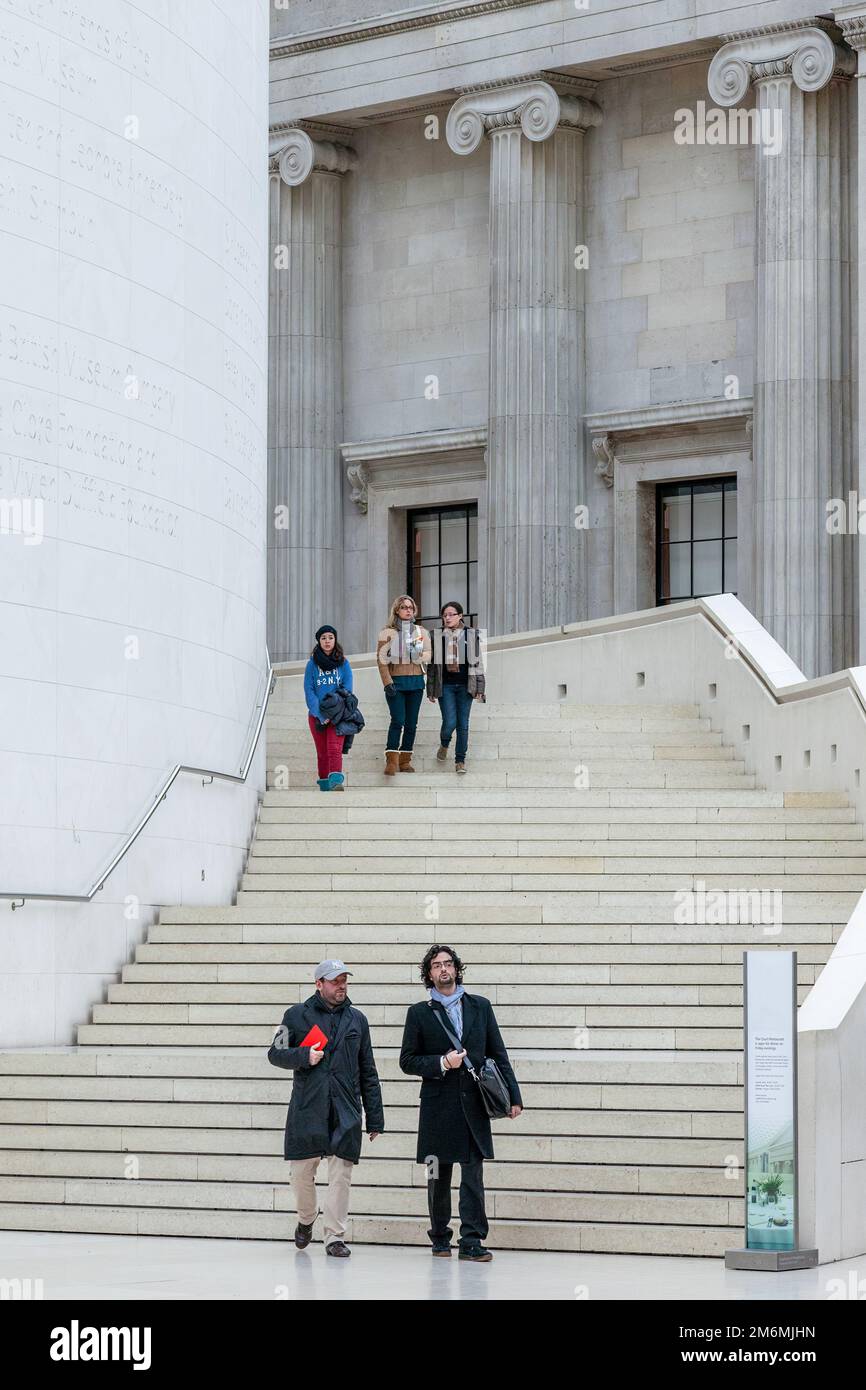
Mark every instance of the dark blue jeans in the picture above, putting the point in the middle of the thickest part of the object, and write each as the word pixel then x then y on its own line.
pixel 455 702
pixel 403 708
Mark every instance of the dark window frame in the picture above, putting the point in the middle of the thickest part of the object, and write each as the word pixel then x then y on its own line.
pixel 471 510
pixel 724 483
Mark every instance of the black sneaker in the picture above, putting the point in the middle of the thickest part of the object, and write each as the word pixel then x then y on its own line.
pixel 442 1247
pixel 475 1252
pixel 339 1248
pixel 303 1235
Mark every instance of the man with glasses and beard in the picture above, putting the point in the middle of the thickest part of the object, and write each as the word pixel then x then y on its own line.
pixel 453 1125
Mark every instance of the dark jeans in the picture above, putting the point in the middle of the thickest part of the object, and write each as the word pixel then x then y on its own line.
pixel 403 708
pixel 473 1218
pixel 455 702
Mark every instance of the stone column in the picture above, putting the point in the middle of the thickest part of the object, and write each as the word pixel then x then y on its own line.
pixel 802 394
pixel 852 21
pixel 535 449
pixel 305 482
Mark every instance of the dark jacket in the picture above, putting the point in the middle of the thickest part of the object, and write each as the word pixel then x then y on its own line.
pixel 472 662
pixel 451 1108
pixel 341 708
pixel 325 1109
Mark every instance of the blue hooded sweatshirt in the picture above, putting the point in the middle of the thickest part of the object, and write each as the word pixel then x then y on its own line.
pixel 318 683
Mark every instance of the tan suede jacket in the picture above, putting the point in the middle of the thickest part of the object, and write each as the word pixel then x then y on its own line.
pixel 387 649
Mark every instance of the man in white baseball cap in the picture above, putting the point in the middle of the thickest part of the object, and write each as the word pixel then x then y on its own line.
pixel 325 1041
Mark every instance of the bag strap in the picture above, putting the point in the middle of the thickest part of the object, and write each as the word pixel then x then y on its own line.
pixel 452 1036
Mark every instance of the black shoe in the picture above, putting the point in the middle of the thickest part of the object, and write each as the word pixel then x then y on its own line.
pixel 475 1252
pixel 303 1235
pixel 337 1247
pixel 442 1247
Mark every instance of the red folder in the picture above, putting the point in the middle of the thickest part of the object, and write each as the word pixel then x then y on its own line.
pixel 315 1038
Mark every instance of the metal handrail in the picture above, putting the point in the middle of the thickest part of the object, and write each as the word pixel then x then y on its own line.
pixel 210 773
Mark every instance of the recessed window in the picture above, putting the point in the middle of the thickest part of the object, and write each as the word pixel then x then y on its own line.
pixel 443 561
pixel 696 539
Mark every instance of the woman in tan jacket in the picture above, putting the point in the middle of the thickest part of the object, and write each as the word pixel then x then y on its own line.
pixel 402 653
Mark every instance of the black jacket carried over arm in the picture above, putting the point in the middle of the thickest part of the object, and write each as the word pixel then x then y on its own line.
pixel 452 1111
pixel 324 1114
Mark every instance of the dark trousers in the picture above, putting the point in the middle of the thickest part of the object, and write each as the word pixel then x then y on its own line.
pixel 403 708
pixel 455 702
pixel 473 1218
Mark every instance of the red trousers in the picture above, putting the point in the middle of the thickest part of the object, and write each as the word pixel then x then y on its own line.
pixel 329 748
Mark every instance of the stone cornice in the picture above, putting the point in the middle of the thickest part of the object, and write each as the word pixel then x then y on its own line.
pixel 562 82
pixel 320 130
pixel 808 53
pixel 400 459
pixel 851 19
pixel 401 24
pixel 669 416
pixel 294 154
pixel 535 106
pixel 610 429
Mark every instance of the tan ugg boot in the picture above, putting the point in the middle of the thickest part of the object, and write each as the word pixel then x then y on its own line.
pixel 391 761
pixel 406 762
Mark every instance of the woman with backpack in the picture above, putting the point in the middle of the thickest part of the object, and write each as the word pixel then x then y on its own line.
pixel 456 679
pixel 327 671
pixel 402 654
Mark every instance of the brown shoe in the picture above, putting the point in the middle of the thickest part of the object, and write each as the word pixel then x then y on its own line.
pixel 391 761
pixel 441 754
pixel 406 762
pixel 303 1235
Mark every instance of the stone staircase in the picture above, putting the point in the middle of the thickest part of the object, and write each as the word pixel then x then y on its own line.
pixel 553 868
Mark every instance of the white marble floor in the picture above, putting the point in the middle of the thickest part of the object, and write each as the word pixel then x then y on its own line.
pixel 147 1267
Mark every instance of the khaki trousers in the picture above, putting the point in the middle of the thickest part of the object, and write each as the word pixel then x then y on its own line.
pixel 336 1206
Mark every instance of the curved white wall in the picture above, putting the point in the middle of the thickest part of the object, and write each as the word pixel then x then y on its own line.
pixel 133 339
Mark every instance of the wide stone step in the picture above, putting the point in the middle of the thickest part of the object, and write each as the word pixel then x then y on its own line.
pixel 511 1146
pixel 409 793
pixel 540 846
pixel 400 1120
pixel 374 992
pixel 556 1177
pixel 233 961
pixel 583 1066
pixel 674 774
pixel 530 1234
pixel 584 902
pixel 364 755
pixel 672 1036
pixel 485 976
pixel 295 738
pixel 554 859
pixel 600 1099
pixel 572 880
pixel 825 839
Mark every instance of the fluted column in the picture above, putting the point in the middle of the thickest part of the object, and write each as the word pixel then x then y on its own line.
pixel 535 451
pixel 852 21
pixel 305 483
pixel 802 393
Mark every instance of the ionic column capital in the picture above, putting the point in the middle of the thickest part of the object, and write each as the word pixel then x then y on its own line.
pixel 295 154
pixel 535 106
pixel 807 53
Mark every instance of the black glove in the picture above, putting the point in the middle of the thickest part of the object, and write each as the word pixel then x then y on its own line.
pixel 390 691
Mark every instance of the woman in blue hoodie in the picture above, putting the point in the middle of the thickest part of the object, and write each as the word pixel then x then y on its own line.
pixel 327 670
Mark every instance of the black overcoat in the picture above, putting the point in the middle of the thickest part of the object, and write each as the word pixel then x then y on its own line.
pixel 451 1108
pixel 325 1109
